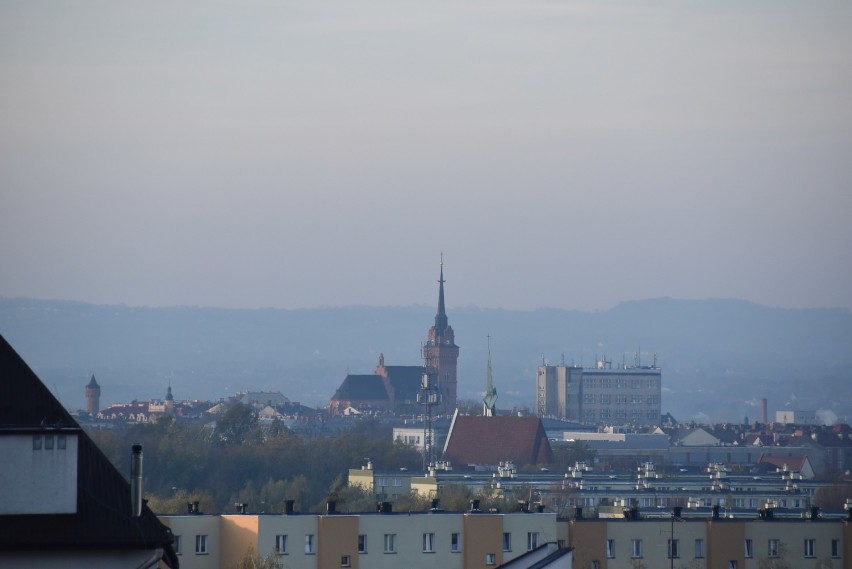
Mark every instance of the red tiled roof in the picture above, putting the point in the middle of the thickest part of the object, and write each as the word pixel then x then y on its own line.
pixel 794 463
pixel 491 440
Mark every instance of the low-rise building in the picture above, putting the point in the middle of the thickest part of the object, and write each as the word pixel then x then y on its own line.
pixel 381 540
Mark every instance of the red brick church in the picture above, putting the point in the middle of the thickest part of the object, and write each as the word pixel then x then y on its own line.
pixel 395 388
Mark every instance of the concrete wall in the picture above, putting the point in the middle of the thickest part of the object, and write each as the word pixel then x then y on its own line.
pixel 39 480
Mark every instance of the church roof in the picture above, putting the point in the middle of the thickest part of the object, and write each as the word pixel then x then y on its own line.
pixel 405 381
pixel 361 388
pixel 491 440
pixel 103 518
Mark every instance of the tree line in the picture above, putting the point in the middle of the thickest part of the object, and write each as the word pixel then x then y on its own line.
pixel 238 460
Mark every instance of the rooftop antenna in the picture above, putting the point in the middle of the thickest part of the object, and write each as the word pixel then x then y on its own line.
pixel 429 396
pixel 490 399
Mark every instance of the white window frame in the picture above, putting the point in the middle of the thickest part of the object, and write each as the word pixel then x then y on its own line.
pixel 362 543
pixel 699 549
pixel 772 547
pixel 810 548
pixel 507 541
pixel 201 544
pixel 835 548
pixel 429 542
pixel 673 548
pixel 748 552
pixel 281 544
pixel 178 545
pixel 390 543
pixel 532 540
pixel 455 542
pixel 636 548
pixel 490 559
pixel 345 561
pixel 610 549
pixel 310 546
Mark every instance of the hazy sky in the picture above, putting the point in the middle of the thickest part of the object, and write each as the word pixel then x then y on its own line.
pixel 298 154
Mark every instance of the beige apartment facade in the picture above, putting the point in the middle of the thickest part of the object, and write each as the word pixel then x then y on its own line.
pixel 715 543
pixel 389 540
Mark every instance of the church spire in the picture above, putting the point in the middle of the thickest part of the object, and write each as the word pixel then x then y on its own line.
pixel 490 399
pixel 441 316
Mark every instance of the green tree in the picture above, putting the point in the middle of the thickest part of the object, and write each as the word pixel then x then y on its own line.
pixel 234 427
pixel 253 560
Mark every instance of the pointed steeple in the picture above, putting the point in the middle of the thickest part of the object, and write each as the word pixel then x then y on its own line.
pixel 441 316
pixel 93 383
pixel 490 399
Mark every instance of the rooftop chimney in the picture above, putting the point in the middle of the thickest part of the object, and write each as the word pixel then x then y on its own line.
pixel 331 507
pixel 136 480
pixel 288 506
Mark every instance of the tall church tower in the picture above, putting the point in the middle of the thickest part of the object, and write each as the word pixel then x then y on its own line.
pixel 441 353
pixel 93 396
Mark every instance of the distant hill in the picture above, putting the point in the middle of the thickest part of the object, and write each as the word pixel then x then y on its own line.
pixel 719 357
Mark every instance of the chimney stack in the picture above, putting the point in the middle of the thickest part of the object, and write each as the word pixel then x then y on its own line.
pixel 288 506
pixel 136 480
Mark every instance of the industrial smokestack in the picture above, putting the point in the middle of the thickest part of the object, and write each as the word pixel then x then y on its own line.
pixel 136 480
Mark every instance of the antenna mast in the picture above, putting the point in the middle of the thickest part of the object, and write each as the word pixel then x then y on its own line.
pixel 429 396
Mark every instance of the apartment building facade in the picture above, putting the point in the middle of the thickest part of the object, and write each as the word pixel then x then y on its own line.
pixel 382 540
pixel 626 395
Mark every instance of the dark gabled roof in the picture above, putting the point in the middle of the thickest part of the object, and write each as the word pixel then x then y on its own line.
pixel 361 388
pixel 405 381
pixel 103 519
pixel 491 440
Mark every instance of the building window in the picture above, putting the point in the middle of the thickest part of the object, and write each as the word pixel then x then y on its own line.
pixel 532 540
pixel 200 544
pixel 48 442
pixel 397 482
pixel 636 548
pixel 345 561
pixel 490 559
pixel 362 543
pixel 390 543
pixel 281 544
pixel 309 543
pixel 699 548
pixel 455 544
pixel 178 543
pixel 674 548
pixel 772 548
pixel 732 565
pixel 37 442
pixel 428 543
pixel 595 565
pixel 61 443
pixel 507 541
pixel 835 548
pixel 810 548
pixel 610 549
pixel 749 550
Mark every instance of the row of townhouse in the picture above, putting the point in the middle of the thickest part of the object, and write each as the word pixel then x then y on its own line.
pixel 381 540
pixel 670 540
pixel 632 539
